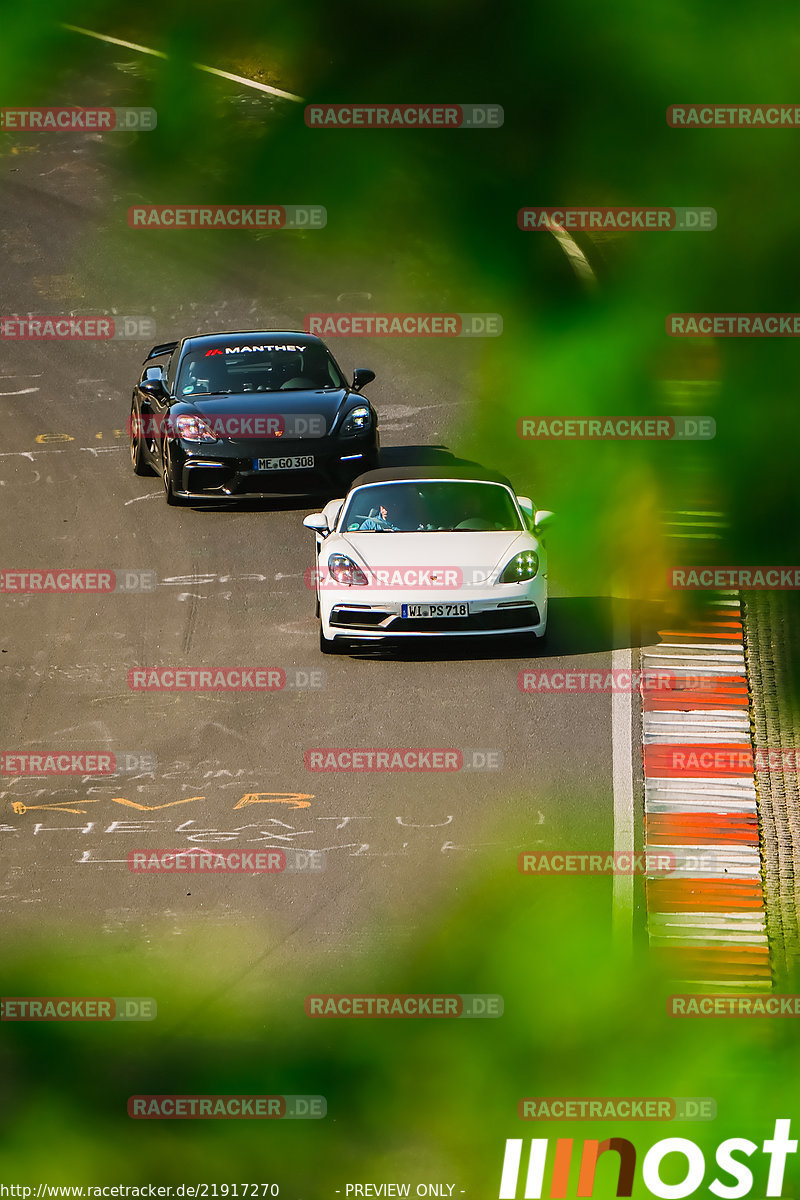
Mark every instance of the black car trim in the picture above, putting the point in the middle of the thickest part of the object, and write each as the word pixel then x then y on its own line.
pixel 164 348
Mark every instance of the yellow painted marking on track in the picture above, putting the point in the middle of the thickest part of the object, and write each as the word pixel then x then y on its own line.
pixel 53 437
pixel 20 808
pixel 293 799
pixel 153 807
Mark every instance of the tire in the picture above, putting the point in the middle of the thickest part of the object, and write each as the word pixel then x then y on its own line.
pixel 138 462
pixel 172 500
pixel 330 645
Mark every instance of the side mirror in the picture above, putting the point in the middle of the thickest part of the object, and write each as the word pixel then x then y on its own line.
pixel 543 518
pixel 316 521
pixel 361 377
pixel 155 388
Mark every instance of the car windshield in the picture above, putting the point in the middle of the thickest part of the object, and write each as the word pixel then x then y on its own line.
pixel 430 506
pixel 258 367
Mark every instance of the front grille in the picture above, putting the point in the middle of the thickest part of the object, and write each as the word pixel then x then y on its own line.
pixel 491 620
pixel 204 478
pixel 277 481
pixel 364 618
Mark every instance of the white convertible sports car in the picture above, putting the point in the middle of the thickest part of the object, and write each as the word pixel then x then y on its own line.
pixel 429 552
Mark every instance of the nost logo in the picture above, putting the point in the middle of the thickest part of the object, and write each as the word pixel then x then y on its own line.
pixel 692 1167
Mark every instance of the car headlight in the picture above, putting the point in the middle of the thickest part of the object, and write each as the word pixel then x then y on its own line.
pixel 521 567
pixel 345 571
pixel 194 429
pixel 356 421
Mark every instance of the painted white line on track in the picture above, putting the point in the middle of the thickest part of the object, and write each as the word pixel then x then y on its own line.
pixel 622 776
pixel 149 496
pixel 251 83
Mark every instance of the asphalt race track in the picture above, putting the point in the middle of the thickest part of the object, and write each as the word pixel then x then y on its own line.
pixel 232 593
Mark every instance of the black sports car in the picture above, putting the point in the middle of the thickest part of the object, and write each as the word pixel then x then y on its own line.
pixel 227 415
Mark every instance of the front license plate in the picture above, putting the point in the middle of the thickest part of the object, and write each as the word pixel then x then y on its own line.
pixel 434 610
pixel 297 462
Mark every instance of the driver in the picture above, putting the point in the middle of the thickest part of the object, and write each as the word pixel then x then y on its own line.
pixel 378 522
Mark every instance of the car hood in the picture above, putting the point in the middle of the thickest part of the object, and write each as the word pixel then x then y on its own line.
pixel 328 403
pixel 467 549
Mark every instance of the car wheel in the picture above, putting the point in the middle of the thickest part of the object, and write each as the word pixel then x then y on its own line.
pixel 138 461
pixel 173 500
pixel 330 645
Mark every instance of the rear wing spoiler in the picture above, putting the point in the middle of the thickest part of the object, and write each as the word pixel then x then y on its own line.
pixel 164 348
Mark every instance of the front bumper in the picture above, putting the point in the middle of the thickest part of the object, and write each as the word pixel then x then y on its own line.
pixel 503 609
pixel 208 471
